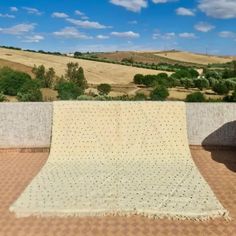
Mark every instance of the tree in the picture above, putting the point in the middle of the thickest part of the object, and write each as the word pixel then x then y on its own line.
pixel 30 92
pixel 104 89
pixel 211 74
pixel 194 73
pixel 149 80
pixel 49 76
pixel 195 97
pixel 234 67
pixel 68 90
pixel 212 81
pixel 228 74
pixel 39 72
pixel 187 83
pixel 11 81
pixel 231 85
pixel 75 74
pixel 201 83
pixel 221 88
pixel 43 76
pixel 183 73
pixel 162 76
pixel 81 81
pixel 160 93
pixel 138 79
pixel 77 54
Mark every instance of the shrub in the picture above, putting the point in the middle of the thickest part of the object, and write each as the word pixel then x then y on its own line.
pixel 104 89
pixel 30 92
pixel 11 81
pixel 195 97
pixel 128 60
pixel 221 88
pixel 85 98
pixel 160 93
pixel 68 90
pixel 140 97
pixel 2 97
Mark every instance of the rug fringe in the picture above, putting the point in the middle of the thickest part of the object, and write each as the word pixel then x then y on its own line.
pixel 208 216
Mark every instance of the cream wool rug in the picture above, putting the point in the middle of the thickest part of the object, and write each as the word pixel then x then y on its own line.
pixel 119 158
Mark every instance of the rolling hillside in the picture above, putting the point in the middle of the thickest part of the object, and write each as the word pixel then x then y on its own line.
pixel 95 72
pixel 171 57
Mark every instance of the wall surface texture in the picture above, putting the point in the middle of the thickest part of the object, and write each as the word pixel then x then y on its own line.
pixel 25 125
pixel 211 123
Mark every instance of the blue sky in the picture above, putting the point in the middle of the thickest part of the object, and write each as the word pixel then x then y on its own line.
pixel 109 25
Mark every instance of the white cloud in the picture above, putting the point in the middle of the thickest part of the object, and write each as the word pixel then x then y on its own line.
pixel 187 35
pixel 13 9
pixel 133 22
pixel 100 36
pixel 79 13
pixel 33 39
pixel 71 33
pixel 165 36
pixel 59 15
pixel 84 17
pixel 204 27
pixel 128 34
pixel 184 12
pixel 87 24
pixel 163 1
pixel 137 5
pixel 18 29
pixel 222 9
pixel 227 34
pixel 33 11
pixel 131 5
pixel 6 16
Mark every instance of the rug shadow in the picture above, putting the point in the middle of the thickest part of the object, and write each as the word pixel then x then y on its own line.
pixel 220 151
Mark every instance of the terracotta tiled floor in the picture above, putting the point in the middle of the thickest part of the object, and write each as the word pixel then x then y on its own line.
pixel 18 169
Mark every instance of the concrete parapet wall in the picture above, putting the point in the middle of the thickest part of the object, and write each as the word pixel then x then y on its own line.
pixel 211 123
pixel 25 124
pixel 28 125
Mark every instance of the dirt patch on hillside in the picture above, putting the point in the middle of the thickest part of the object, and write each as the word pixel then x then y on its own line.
pixel 16 66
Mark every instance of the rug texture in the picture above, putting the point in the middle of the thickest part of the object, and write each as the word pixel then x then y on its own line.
pixel 119 158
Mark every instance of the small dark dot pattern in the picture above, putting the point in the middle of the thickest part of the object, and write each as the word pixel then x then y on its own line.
pixel 126 157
